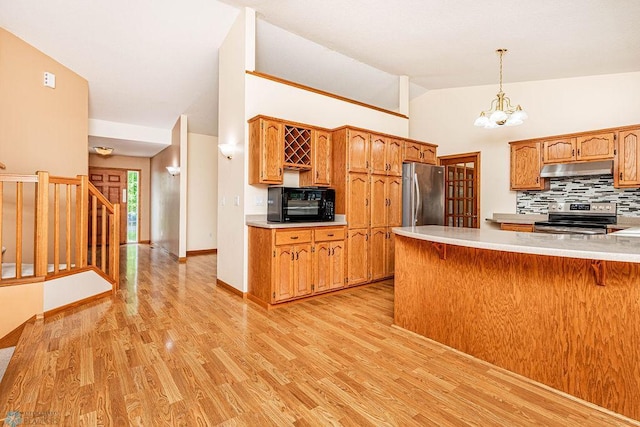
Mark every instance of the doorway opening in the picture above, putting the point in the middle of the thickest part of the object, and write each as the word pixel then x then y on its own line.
pixel 133 181
pixel 462 189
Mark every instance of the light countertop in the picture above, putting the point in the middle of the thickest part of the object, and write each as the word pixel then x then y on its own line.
pixel 604 247
pixel 261 222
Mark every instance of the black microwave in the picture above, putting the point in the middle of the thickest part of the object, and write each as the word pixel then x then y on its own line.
pixel 304 204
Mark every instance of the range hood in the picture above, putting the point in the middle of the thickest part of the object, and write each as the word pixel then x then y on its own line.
pixel 604 167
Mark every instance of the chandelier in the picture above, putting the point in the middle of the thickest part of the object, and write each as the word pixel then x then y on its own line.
pixel 501 112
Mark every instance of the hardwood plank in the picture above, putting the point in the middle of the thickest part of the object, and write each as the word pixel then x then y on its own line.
pixel 172 348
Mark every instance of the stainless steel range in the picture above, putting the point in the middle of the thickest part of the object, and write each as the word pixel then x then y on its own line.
pixel 578 218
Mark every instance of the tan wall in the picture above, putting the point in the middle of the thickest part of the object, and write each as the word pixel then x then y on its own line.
pixel 143 164
pixel 165 196
pixel 13 315
pixel 40 128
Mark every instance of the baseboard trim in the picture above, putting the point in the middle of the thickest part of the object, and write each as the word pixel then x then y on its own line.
pixel 144 242
pixel 230 288
pixel 12 338
pixel 202 252
pixel 77 303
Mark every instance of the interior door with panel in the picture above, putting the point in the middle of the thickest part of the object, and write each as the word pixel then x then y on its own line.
pixel 112 183
pixel 462 189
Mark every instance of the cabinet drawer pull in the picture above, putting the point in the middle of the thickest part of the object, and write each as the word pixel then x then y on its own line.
pixel 330 235
pixel 294 237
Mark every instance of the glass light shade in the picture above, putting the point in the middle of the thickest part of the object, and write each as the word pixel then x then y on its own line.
pixel 227 150
pixel 482 120
pixel 491 125
pixel 498 116
pixel 513 122
pixel 173 170
pixel 519 114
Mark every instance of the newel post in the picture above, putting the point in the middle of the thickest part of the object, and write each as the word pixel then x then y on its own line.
pixel 42 224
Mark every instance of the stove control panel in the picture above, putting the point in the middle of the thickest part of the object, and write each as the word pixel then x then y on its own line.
pixel 584 208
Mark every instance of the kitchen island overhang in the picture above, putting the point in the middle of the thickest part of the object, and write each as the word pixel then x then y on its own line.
pixel 529 303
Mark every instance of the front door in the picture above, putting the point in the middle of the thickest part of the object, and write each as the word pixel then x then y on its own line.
pixel 112 183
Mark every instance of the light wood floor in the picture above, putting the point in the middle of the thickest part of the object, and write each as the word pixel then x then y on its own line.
pixel 173 349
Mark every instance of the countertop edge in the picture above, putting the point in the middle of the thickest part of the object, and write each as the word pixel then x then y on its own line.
pixel 423 233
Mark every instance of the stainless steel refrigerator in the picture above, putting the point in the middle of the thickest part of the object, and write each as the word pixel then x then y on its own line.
pixel 422 194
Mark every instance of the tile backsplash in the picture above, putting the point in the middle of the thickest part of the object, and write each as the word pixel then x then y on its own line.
pixel 590 189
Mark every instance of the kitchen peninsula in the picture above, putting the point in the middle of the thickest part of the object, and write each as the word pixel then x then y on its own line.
pixel 563 310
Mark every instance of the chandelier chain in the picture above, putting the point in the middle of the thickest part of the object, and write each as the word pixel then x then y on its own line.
pixel 501 55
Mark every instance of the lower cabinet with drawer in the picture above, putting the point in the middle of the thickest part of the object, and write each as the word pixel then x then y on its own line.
pixel 292 263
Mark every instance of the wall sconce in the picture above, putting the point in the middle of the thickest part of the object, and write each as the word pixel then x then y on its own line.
pixel 227 150
pixel 173 170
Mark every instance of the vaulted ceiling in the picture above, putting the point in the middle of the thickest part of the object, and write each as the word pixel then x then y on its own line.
pixel 148 61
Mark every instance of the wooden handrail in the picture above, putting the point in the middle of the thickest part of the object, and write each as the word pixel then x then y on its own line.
pixel 103 200
pixel 54 253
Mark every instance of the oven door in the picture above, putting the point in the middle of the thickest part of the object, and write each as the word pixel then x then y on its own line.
pixel 303 205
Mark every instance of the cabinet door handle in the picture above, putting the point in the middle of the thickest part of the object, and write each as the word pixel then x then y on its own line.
pixel 366 237
pixel 292 256
pixel 333 251
pixel 367 164
pixel 537 179
pixel 573 152
pixel 366 202
pixel 297 255
pixel 279 171
pixel 620 176
pixel 578 151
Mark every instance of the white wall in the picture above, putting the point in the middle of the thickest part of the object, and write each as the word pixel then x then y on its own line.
pixel 445 117
pixel 231 129
pixel 202 182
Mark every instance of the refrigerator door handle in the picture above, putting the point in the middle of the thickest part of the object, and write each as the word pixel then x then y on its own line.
pixel 418 202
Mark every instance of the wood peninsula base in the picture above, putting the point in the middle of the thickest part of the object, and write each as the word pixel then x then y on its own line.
pixel 540 316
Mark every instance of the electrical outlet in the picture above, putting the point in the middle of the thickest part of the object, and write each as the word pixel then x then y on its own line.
pixel 223 201
pixel 236 200
pixel 259 201
pixel 50 80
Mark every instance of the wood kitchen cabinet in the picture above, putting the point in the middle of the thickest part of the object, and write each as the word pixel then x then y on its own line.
pixel 627 161
pixel 386 155
pixel 559 150
pixel 599 146
pixel 580 148
pixel 320 173
pixel 358 151
pixel 357 256
pixel 526 163
pixel 419 152
pixel 358 200
pixel 528 228
pixel 291 263
pixel 382 253
pixel 293 273
pixel 386 201
pixel 266 151
pixel 329 259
